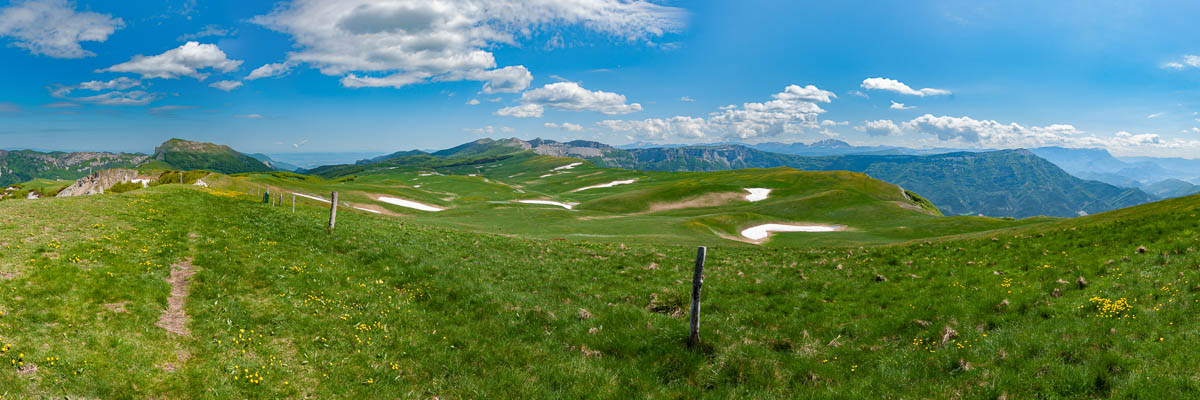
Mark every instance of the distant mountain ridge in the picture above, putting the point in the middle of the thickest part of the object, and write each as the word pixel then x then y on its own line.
pixel 1005 183
pixel 24 165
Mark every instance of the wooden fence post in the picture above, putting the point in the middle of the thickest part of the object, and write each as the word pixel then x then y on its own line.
pixel 333 212
pixel 293 203
pixel 697 283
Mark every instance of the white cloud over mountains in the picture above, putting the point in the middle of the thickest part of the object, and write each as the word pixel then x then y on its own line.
pixel 397 43
pixel 792 110
pixel 53 28
pixel 881 127
pixel 568 96
pixel 185 60
pixel 973 133
pixel 567 126
pixel 117 95
pixel 896 86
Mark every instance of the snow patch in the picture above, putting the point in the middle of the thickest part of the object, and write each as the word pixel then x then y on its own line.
pixel 409 204
pixel 568 166
pixel 606 185
pixel 762 231
pixel 311 197
pixel 569 206
pixel 757 194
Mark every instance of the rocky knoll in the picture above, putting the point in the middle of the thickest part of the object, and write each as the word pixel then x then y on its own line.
pixel 98 182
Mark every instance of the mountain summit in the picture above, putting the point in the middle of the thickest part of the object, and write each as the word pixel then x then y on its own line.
pixel 189 155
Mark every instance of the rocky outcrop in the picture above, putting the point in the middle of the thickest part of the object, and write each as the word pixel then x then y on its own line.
pixel 98 182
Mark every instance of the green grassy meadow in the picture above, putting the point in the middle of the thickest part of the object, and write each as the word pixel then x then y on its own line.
pixel 692 208
pixel 394 306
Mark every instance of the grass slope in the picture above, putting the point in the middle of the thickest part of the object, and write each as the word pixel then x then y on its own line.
pixel 392 307
pixel 1006 183
pixel 661 207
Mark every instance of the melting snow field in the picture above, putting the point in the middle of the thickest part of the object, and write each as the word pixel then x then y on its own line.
pixel 367 210
pixel 568 206
pixel 757 194
pixel 311 197
pixel 606 185
pixel 568 166
pixel 409 204
pixel 762 231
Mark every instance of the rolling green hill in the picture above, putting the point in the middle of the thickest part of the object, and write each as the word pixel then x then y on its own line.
pixel 1007 183
pixel 486 194
pixel 177 291
pixel 1172 188
pixel 189 155
pixel 25 165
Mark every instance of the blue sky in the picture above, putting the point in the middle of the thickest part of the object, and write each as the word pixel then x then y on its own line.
pixel 365 75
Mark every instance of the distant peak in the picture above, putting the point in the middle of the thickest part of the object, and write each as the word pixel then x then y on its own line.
pixel 831 143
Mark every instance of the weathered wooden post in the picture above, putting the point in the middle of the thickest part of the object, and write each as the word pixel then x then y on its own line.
pixel 333 212
pixel 697 283
pixel 181 177
pixel 293 203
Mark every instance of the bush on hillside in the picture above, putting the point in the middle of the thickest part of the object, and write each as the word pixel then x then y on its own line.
pixel 123 187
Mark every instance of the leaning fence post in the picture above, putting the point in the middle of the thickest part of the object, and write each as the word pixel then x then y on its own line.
pixel 333 212
pixel 697 283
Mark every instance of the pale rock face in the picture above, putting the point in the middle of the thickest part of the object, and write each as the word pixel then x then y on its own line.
pixel 98 182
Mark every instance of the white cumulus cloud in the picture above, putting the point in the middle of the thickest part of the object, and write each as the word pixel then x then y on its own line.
pixel 270 70
pixel 883 127
pixel 53 28
pixel 120 83
pixel 117 94
pixel 1187 61
pixel 569 96
pixel 893 85
pixel 185 60
pixel 227 86
pixel 564 126
pixel 522 111
pixel 900 106
pixel 388 42
pixel 792 111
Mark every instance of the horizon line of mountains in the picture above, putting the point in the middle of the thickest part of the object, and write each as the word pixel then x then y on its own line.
pixel 1020 183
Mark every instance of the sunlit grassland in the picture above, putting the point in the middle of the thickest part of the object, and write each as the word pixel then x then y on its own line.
pixel 658 207
pixel 396 307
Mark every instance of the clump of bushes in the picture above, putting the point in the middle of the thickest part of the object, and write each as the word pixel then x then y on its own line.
pixel 124 187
